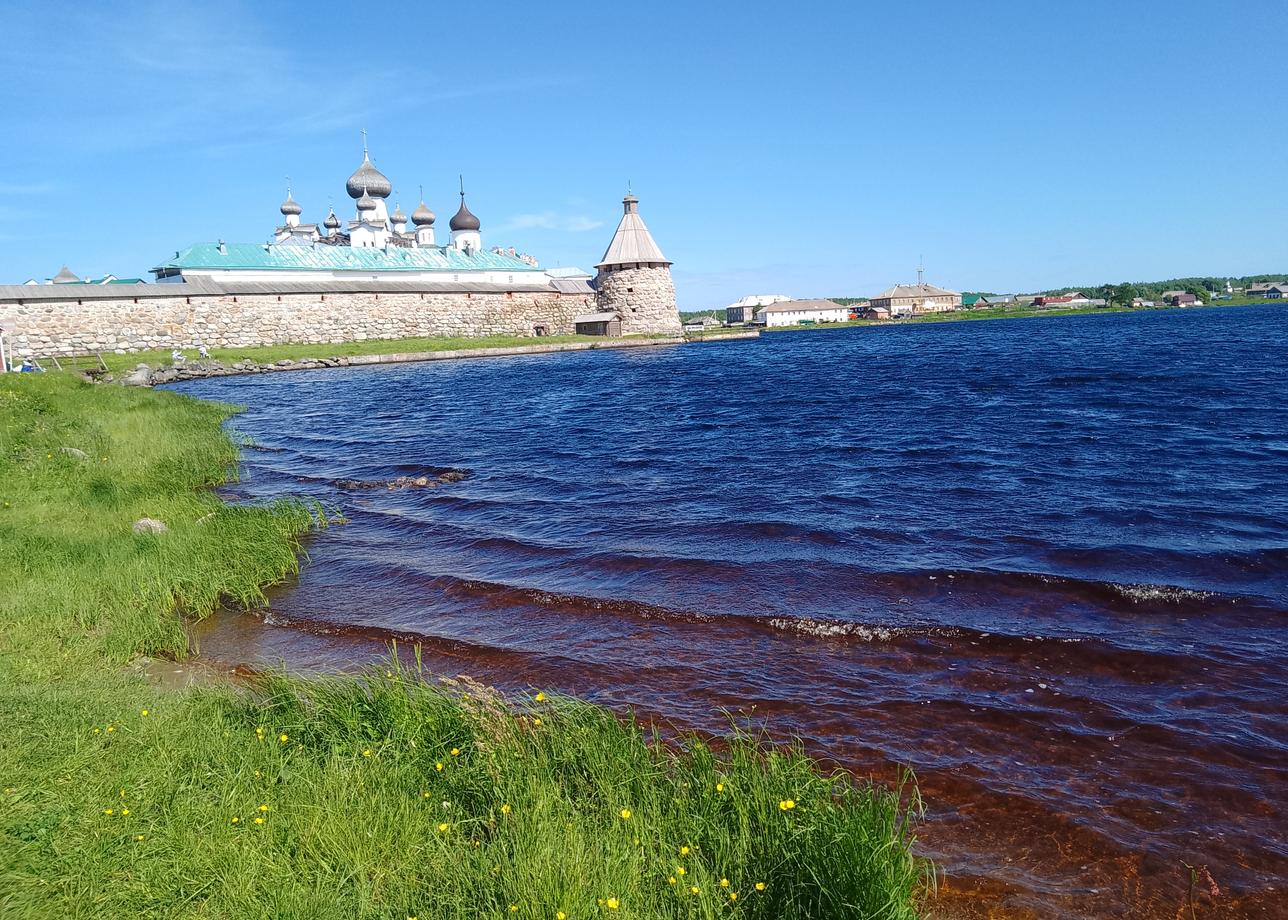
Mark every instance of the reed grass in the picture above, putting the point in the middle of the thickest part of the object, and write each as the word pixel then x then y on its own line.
pixel 383 795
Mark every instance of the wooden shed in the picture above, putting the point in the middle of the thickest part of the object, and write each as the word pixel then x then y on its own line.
pixel 598 324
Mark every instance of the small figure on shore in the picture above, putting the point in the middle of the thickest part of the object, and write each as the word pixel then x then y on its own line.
pixel 30 367
pixel 203 351
pixel 177 356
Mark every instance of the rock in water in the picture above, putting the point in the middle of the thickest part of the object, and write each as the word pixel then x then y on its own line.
pixel 149 525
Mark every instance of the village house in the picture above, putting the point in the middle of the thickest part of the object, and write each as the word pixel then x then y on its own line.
pixel 796 312
pixel 744 309
pixel 1277 291
pixel 1262 289
pixel 917 299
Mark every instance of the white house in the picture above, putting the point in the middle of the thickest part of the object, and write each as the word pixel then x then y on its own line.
pixel 744 309
pixel 795 312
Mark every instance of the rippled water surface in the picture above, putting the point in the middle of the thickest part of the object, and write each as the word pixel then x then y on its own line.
pixel 1042 562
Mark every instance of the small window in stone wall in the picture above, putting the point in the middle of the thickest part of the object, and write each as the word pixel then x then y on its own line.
pixel 630 290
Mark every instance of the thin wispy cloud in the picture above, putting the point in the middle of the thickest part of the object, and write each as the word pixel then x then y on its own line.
pixel 27 188
pixel 551 220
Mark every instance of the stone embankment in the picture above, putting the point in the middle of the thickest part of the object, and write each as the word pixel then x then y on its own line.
pixel 143 375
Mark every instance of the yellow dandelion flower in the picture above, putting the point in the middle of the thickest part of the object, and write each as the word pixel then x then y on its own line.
pixel 442 828
pixel 787 804
pixel 367 752
pixel 611 903
pixel 733 896
pixel 536 722
pixel 111 728
pixel 125 811
pixel 505 809
pixel 259 820
pixel 626 814
pixel 514 908
pixel 684 851
pixel 540 697
pixel 145 712
pixel 138 836
pixel 96 731
pixel 719 787
pixel 679 870
pixel 439 766
pixel 424 795
pixel 107 811
pixel 724 883
pixel 694 889
pixel 236 820
pixel 670 879
pixel 455 751
pixel 283 738
pixel 560 915
pixel 263 808
pixel 760 886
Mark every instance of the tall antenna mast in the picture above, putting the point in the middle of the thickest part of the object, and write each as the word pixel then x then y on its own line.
pixel 364 143
pixel 921 271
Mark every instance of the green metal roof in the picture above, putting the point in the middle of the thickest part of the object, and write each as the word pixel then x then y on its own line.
pixel 324 257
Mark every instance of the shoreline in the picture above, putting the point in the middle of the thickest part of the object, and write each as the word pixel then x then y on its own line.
pixel 389 792
pixel 144 374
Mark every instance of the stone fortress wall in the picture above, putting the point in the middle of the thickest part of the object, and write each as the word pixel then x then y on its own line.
pixel 643 297
pixel 86 321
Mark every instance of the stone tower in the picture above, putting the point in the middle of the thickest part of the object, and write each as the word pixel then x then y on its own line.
pixel 634 279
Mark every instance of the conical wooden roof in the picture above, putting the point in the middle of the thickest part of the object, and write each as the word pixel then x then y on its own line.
pixel 632 243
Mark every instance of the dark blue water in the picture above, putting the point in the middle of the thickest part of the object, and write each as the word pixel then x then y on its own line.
pixel 1043 562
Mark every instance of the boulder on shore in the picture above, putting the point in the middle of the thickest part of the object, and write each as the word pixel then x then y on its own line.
pixel 149 525
pixel 141 376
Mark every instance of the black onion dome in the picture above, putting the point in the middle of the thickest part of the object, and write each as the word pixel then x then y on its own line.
pixel 464 220
pixel 422 216
pixel 290 206
pixel 366 178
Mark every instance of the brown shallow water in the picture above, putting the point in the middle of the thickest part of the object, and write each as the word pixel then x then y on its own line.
pixel 1052 579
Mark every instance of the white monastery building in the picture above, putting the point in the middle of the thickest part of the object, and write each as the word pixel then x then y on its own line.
pixel 377 275
pixel 796 312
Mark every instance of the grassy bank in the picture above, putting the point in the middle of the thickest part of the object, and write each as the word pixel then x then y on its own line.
pixel 265 354
pixel 385 796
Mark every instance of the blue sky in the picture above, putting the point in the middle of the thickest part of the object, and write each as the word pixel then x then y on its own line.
pixel 810 149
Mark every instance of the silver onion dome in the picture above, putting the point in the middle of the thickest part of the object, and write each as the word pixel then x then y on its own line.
pixel 398 216
pixel 369 180
pixel 422 216
pixel 366 202
pixel 464 219
pixel 290 206
pixel 332 222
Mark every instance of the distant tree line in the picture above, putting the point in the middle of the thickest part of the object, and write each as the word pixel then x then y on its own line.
pixel 1202 288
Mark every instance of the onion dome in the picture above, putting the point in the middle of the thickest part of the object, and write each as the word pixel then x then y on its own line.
pixel 366 202
pixel 368 180
pixel 289 206
pixel 464 220
pixel 398 216
pixel 422 216
pixel 332 222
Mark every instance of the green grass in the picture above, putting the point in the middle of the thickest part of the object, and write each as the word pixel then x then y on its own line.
pixel 119 796
pixel 266 354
